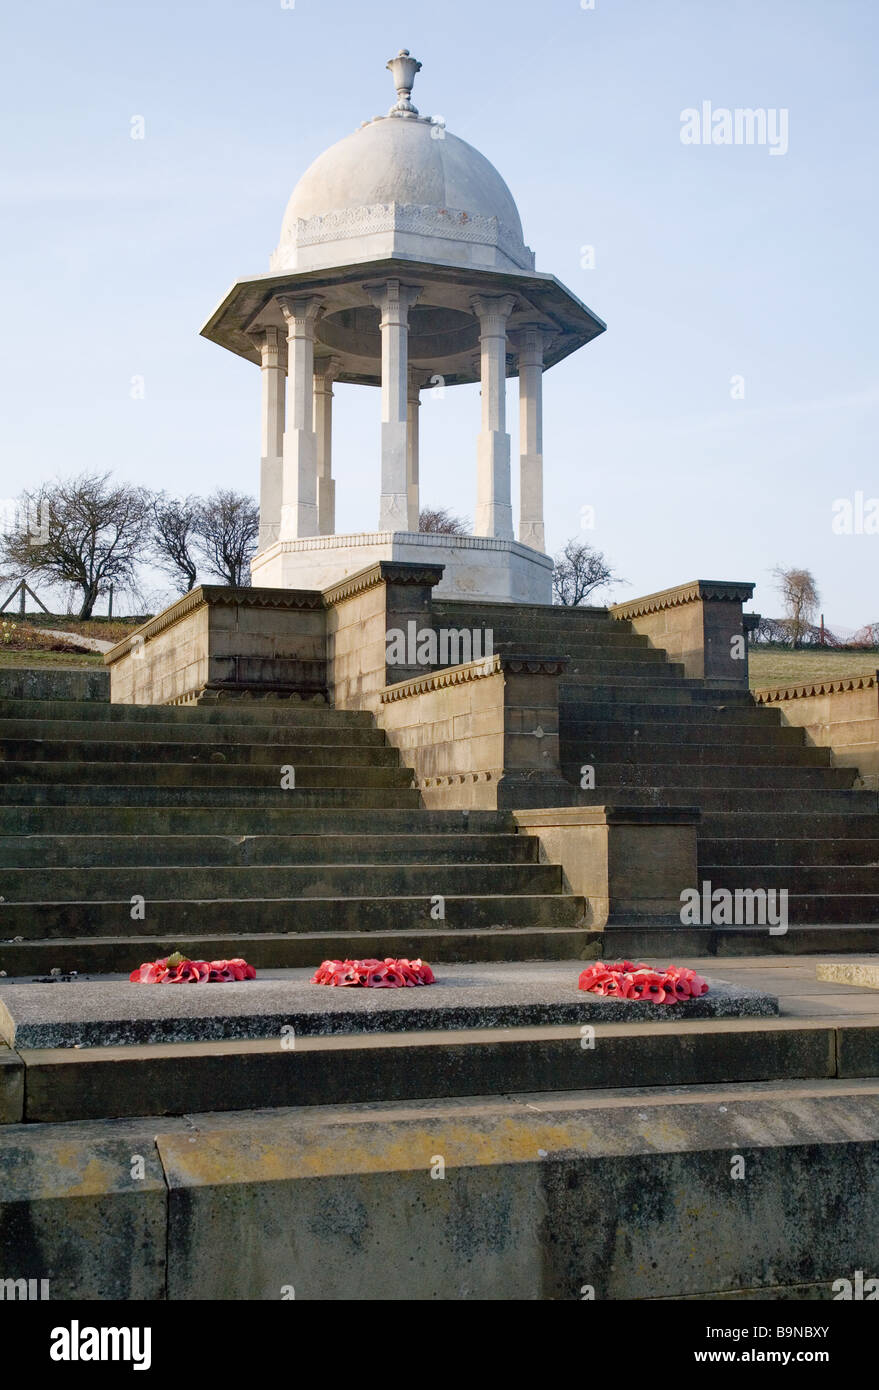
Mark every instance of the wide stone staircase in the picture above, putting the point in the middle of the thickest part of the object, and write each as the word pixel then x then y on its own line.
pixel 774 812
pixel 145 1133
pixel 129 831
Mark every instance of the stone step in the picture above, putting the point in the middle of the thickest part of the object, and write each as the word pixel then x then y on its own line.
pixel 723 753
pixel 101 850
pixel 537 940
pixel 684 733
pixel 707 695
pixel 799 879
pixel 199 819
pixel 188 732
pixel 724 798
pixel 798 824
pixel 511 617
pixel 676 943
pixel 195 775
pixel 586 713
pixel 242 711
pixel 841 851
pixel 721 775
pixel 583 702
pixel 597 669
pixel 85 794
pixel 110 955
pixel 91 1083
pixel 541 629
pixel 611 646
pixel 280 881
pixel 123 753
pixel 848 908
pixel 626 677
pixel 292 916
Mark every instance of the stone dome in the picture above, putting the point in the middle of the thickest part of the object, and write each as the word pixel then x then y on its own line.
pixel 402 185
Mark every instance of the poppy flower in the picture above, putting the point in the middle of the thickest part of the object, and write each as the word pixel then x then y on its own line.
pixel 627 980
pixel 373 974
pixel 177 970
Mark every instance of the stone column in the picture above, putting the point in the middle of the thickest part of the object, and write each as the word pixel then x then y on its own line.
pixel 531 344
pixel 394 300
pixel 326 369
pixel 414 406
pixel 494 511
pixel 272 357
pixel 299 494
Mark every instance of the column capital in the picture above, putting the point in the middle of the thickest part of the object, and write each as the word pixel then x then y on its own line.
pixel 269 333
pixel 326 371
pixel 492 310
pixel 418 379
pixel 531 341
pixel 393 298
pixel 271 343
pixel 301 312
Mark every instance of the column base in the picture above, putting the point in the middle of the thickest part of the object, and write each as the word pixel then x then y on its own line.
pixel 532 533
pixel 393 511
pixel 298 521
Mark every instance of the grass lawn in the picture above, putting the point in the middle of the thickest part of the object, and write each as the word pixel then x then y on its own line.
pixel 771 667
pixel 106 630
pixel 37 660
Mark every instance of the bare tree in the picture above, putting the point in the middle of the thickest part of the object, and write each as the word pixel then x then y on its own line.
pixel 440 521
pixel 87 532
pixel 801 598
pixel 226 531
pixel 771 630
pixel 175 522
pixel 578 571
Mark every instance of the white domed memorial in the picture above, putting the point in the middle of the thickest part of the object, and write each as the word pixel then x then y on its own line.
pixel 401 263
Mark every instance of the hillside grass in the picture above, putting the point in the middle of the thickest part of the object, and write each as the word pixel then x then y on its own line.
pixel 778 667
pixel 105 629
pixel 58 661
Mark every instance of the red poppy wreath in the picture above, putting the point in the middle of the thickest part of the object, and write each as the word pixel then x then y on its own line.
pixel 626 980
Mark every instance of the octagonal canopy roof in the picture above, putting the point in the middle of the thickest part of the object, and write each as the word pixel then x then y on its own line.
pixel 403 198
pixel 402 184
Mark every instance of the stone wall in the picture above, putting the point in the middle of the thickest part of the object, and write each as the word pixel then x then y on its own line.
pixel 360 613
pixel 563 1198
pixel 699 625
pixel 484 734
pixel 224 639
pixel 840 714
pixel 31 683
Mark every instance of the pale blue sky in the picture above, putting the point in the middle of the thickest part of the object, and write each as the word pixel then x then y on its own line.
pixel 710 262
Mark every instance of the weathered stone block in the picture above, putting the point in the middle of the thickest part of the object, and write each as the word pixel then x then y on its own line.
pixel 698 624
pixel 84 1206
pixel 11 1087
pixel 627 863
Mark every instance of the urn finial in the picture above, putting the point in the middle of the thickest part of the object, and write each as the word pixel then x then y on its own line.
pixel 403 69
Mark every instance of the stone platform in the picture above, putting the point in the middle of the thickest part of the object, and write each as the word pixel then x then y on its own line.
pixel 114 1012
pixel 562 1165
pixel 487 568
